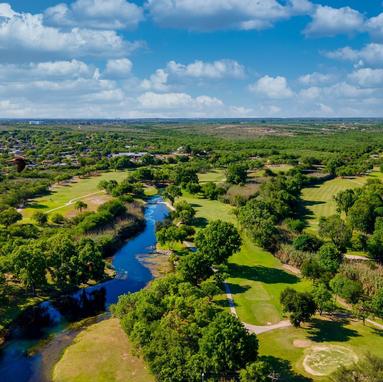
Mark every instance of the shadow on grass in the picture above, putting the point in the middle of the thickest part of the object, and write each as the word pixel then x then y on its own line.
pixel 282 369
pixel 323 330
pixel 200 222
pixel 262 274
pixel 36 206
pixel 236 289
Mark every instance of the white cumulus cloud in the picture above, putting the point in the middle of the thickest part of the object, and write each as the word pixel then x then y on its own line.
pixel 371 54
pixel 119 67
pixel 95 14
pixel 272 87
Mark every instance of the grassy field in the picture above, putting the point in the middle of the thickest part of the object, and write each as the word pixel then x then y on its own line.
pixel 256 281
pixel 292 345
pixel 62 197
pixel 256 276
pixel 101 353
pixel 319 200
pixel 216 176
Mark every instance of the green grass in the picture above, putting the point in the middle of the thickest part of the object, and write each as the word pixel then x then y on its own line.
pixel 256 276
pixel 101 353
pixel 319 200
pixel 256 282
pixel 282 344
pixel 216 176
pixel 78 189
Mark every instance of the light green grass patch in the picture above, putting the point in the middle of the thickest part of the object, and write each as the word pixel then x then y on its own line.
pixel 101 353
pixel 215 175
pixel 62 197
pixel 325 359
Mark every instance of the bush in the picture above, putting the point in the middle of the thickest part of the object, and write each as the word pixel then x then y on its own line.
pixel 307 243
pixel 296 225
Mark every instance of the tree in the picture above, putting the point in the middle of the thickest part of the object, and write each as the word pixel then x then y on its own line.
pixel 300 306
pixel 195 268
pixel 236 173
pixel 80 205
pixel 184 212
pixel 90 260
pixel 307 243
pixel 377 303
pixel 172 192
pixel 10 216
pixel 57 219
pixel 257 371
pixel 350 290
pixel 29 265
pixel 226 346
pixel 345 200
pixel 218 241
pixel 322 297
pixel 329 258
pixel 361 216
pixel 362 310
pixel 336 230
pixel 40 218
pixel 375 242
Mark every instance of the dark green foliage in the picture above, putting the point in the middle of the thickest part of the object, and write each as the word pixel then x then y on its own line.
pixel 10 216
pixel 307 243
pixel 300 306
pixel 236 173
pixel 322 297
pixel 184 212
pixel 336 230
pixel 350 290
pixel 345 200
pixel 375 242
pixel 295 225
pixel 329 258
pixel 195 268
pixel 218 241
pixel 40 218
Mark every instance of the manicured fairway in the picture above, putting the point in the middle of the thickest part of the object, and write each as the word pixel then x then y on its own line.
pixel 101 353
pixel 216 176
pixel 294 345
pixel 62 197
pixel 256 276
pixel 319 200
pixel 256 282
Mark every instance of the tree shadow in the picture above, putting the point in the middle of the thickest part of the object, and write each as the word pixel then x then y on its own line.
pixel 262 274
pixel 330 330
pixel 37 206
pixel 200 222
pixel 282 368
pixel 237 289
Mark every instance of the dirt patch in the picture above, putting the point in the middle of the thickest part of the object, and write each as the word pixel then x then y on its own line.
pixel 323 360
pixel 302 343
pixel 291 269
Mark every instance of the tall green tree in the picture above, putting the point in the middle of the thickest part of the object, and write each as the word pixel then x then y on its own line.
pixel 10 216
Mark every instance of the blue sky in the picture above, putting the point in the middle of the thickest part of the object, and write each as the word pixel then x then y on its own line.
pixel 191 58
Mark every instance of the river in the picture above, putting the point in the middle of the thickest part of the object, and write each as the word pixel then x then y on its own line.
pixel 131 275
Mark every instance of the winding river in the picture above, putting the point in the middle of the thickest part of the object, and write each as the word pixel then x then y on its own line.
pixel 131 275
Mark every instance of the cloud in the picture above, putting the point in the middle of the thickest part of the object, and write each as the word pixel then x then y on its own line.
pixel 25 33
pixel 157 81
pixel 212 70
pixel 315 78
pixel 375 26
pixel 119 67
pixel 272 87
pixel 152 100
pixel 208 15
pixel 95 14
pixel 328 21
pixel 367 77
pixel 371 54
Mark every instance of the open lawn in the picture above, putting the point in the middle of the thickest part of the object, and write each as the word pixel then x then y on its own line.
pixel 215 175
pixel 319 199
pixel 62 197
pixel 256 276
pixel 337 339
pixel 101 353
pixel 256 281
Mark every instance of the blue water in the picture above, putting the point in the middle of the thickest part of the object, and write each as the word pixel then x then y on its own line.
pixel 131 276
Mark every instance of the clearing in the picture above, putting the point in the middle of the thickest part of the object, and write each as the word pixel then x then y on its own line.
pixel 62 197
pixel 101 353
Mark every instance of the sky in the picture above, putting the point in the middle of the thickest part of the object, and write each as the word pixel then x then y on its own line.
pixel 191 58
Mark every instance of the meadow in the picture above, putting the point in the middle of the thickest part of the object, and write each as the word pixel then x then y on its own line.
pixel 62 197
pixel 117 364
